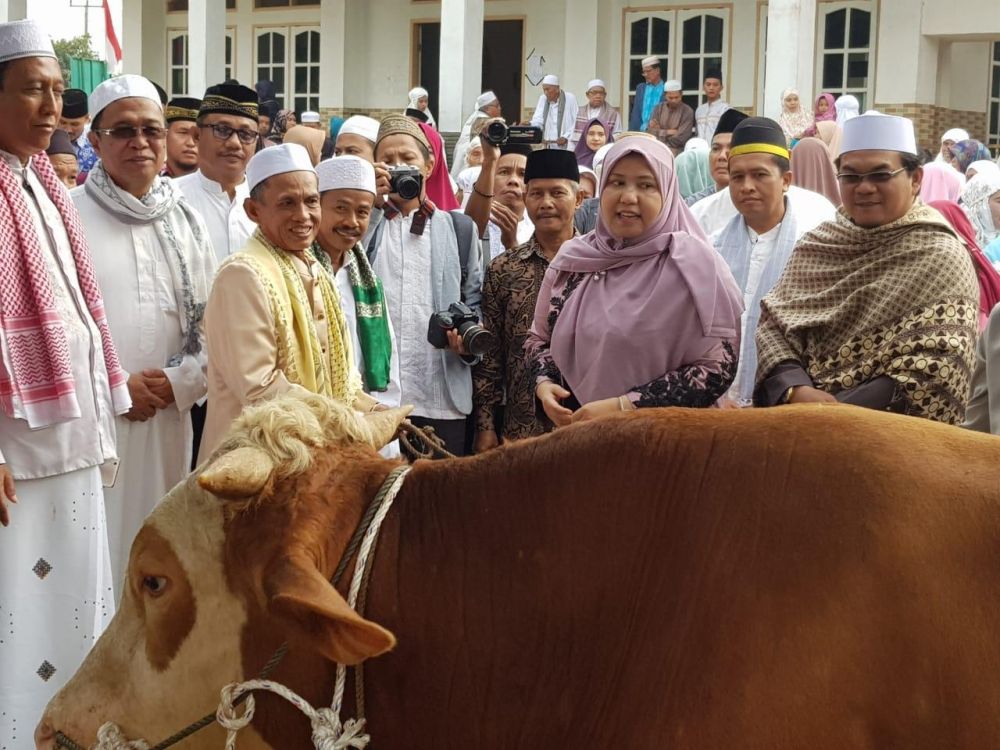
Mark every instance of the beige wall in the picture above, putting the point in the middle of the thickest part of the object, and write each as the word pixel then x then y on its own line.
pixel 963 75
pixel 960 17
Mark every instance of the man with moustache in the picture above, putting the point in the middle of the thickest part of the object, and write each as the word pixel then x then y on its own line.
pixel 181 114
pixel 718 156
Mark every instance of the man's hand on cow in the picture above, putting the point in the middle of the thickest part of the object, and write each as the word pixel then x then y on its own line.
pixel 486 440
pixel 725 402
pixel 144 401
pixel 504 218
pixel 6 494
pixel 382 184
pixel 805 394
pixel 550 395
pixel 596 409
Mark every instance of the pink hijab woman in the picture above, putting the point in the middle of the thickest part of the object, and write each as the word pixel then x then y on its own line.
pixel 641 312
pixel 824 110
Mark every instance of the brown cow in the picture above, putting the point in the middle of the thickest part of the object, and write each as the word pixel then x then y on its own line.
pixel 817 577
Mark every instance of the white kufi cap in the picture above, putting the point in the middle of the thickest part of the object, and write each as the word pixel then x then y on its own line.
pixel 550 80
pixel 288 157
pixel 878 133
pixel 121 87
pixel 597 83
pixel 366 127
pixel 346 173
pixel 24 39
pixel 648 62
pixel 309 116
pixel 672 86
pixel 487 97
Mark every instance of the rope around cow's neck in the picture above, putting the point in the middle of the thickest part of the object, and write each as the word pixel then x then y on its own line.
pixel 328 732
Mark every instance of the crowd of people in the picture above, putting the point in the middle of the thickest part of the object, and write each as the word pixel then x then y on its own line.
pixel 167 262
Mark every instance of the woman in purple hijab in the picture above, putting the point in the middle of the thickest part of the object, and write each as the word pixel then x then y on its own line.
pixel 595 135
pixel 642 311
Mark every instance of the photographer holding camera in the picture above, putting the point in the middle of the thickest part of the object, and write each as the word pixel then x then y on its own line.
pixel 428 260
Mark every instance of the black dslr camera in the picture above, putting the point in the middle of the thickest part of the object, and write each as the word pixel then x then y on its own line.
pixel 459 317
pixel 499 133
pixel 405 181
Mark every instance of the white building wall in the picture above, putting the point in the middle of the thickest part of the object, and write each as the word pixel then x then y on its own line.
pixel 963 76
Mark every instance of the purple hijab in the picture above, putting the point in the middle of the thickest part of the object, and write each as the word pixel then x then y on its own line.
pixel 666 299
pixel 584 153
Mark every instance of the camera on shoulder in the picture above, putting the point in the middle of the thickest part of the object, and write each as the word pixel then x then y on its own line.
pixel 405 181
pixel 459 317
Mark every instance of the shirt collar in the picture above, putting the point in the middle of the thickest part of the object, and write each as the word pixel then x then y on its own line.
pixel 215 188
pixel 531 247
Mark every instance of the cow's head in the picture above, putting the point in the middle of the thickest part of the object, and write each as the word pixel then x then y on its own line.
pixel 233 561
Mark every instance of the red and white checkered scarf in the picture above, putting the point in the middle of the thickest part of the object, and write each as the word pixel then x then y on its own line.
pixel 36 380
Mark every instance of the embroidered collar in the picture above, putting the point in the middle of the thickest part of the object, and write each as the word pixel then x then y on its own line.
pixel 422 214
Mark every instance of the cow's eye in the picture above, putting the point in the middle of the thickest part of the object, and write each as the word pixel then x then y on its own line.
pixel 154 585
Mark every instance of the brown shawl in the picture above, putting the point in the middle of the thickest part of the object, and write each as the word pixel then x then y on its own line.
pixel 899 300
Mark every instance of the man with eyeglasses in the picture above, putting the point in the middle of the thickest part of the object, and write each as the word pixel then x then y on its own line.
pixel 878 307
pixel 227 138
pixel 155 264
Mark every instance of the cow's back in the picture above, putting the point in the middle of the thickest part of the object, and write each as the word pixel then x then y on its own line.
pixel 801 577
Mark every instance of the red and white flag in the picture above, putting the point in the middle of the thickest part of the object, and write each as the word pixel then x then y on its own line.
pixel 112 50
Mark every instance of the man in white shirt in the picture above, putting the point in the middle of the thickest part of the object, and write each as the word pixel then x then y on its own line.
pixel 555 114
pixel 707 115
pixel 227 138
pixel 155 263
pixel 60 387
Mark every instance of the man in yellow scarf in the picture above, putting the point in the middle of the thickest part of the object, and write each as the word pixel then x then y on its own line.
pixel 273 323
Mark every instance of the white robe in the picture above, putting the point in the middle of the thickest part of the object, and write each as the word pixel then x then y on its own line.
pixel 144 314
pixel 715 211
pixel 55 579
pixel 229 227
pixel 462 144
pixel 552 129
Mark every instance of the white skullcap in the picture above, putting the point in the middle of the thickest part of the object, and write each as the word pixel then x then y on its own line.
pixel 346 173
pixel 672 86
pixel 24 39
pixel 121 87
pixel 476 142
pixel 487 97
pixel 366 127
pixel 309 116
pixel 588 170
pixel 955 134
pixel 288 157
pixel 648 62
pixel 878 133
pixel 600 155
pixel 597 83
pixel 550 80
pixel 697 144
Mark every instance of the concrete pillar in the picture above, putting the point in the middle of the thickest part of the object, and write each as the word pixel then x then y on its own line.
pixel 900 38
pixel 790 59
pixel 131 38
pixel 332 40
pixel 13 10
pixel 580 48
pixel 461 76
pixel 206 45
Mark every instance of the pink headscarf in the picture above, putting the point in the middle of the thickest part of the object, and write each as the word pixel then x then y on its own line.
pixel 942 182
pixel 667 298
pixel 831 111
pixel 438 185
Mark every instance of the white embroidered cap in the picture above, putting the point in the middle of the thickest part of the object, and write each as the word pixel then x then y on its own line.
pixel 878 132
pixel 346 173
pixel 672 86
pixel 649 62
pixel 366 127
pixel 24 39
pixel 485 98
pixel 597 83
pixel 288 157
pixel 310 116
pixel 550 80
pixel 121 87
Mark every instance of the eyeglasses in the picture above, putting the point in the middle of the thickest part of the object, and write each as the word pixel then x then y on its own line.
pixel 224 133
pixel 128 132
pixel 876 178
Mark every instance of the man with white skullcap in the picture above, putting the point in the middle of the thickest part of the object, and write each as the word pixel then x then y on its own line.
pixel 672 121
pixel 155 263
pixel 274 323
pixel 647 95
pixel 60 387
pixel 597 108
pixel 555 114
pixel 487 107
pixel 878 307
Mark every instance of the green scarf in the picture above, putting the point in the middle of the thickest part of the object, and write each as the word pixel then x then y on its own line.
pixel 372 318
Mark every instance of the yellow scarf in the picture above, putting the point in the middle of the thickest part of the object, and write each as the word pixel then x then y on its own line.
pixel 298 340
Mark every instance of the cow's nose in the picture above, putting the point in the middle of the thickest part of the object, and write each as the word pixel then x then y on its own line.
pixel 45 737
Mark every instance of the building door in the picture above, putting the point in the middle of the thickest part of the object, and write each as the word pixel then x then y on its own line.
pixel 503 63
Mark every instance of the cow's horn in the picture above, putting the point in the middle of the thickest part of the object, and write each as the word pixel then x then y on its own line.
pixel 385 424
pixel 238 473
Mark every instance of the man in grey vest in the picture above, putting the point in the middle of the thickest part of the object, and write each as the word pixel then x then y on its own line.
pixel 555 114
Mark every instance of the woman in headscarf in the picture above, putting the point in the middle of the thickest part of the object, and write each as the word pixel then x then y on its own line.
pixel 949 139
pixel 983 166
pixel 336 123
pixel 473 168
pixel 697 144
pixel 989 279
pixel 812 169
pixel 830 133
pixel 794 119
pixel 848 107
pixel 693 172
pixel 824 110
pixel 283 120
pixel 641 312
pixel 418 100
pixel 981 201
pixel 595 135
pixel 309 138
pixel 588 183
pixel 941 182
pixel 440 189
pixel 964 153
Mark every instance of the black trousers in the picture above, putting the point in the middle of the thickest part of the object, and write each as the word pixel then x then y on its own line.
pixel 451 431
pixel 198 422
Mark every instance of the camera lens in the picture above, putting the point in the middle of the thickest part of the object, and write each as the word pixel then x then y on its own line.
pixel 408 187
pixel 496 133
pixel 477 340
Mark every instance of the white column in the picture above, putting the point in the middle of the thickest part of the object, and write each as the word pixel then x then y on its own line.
pixel 790 61
pixel 206 45
pixel 332 46
pixel 580 47
pixel 131 38
pixel 461 76
pixel 13 10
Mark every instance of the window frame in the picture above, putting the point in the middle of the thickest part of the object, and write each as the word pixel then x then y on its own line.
pixel 287 95
pixel 823 10
pixel 993 132
pixel 228 63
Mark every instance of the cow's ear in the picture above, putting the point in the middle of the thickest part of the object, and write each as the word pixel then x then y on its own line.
pixel 236 474
pixel 384 425
pixel 316 613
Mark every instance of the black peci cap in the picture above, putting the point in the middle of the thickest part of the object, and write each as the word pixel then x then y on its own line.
pixel 74 103
pixel 759 135
pixel 552 164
